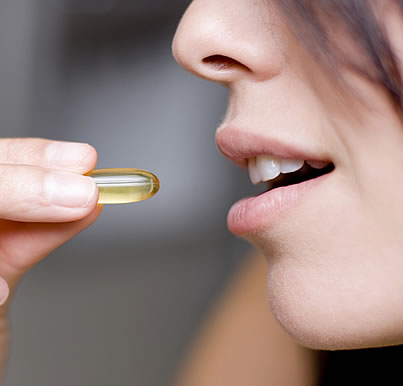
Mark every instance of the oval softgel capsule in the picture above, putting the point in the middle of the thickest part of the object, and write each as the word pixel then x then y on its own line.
pixel 122 186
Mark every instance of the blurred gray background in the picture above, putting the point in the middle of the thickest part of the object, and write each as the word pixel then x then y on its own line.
pixel 118 305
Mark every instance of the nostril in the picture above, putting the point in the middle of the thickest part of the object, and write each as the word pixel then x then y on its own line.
pixel 221 62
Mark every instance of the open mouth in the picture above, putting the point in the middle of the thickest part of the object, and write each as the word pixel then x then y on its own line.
pixel 306 173
pixel 287 182
pixel 284 172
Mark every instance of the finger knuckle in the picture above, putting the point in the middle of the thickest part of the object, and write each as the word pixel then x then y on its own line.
pixel 24 150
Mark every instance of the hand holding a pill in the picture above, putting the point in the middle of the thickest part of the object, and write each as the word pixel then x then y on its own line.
pixel 44 201
pixel 49 192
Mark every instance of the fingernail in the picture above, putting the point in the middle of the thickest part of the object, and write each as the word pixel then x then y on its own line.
pixel 67 154
pixel 70 190
pixel 4 291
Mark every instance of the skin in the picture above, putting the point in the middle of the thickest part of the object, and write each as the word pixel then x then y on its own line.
pixel 334 263
pixel 31 224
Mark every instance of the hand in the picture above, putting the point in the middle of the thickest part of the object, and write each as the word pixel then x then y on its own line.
pixel 44 202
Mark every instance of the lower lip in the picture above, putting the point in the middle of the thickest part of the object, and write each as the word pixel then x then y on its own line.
pixel 254 213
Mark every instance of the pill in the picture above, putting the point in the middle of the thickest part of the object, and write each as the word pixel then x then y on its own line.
pixel 122 186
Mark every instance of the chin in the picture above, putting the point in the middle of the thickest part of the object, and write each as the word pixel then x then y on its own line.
pixel 320 311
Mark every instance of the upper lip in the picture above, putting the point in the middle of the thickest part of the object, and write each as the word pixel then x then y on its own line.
pixel 238 145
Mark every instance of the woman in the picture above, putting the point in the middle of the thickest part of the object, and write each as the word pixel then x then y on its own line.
pixel 310 81
pixel 319 82
pixel 333 243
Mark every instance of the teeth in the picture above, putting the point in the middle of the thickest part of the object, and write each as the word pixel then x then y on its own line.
pixel 289 166
pixel 253 174
pixel 317 164
pixel 267 167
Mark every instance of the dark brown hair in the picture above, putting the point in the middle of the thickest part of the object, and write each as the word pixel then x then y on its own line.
pixel 312 21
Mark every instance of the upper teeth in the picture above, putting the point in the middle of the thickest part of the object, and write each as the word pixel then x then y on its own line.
pixel 266 168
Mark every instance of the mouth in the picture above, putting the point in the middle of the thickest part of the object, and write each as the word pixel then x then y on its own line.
pixel 281 173
pixel 289 172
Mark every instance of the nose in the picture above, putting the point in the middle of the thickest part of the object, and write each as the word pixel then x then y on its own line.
pixel 228 40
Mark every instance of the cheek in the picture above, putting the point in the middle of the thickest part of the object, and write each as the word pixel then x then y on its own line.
pixel 335 283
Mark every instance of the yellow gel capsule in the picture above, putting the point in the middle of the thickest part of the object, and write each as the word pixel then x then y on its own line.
pixel 122 186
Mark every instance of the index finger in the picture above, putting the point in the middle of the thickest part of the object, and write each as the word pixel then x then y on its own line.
pixel 70 156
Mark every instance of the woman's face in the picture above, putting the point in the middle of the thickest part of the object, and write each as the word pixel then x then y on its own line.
pixel 334 244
